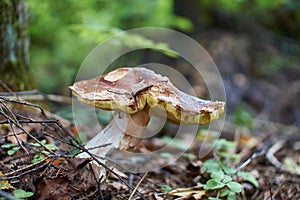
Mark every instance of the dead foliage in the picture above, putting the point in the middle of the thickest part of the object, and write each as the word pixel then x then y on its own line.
pixel 57 174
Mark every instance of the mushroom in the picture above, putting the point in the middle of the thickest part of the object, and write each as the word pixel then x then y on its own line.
pixel 132 92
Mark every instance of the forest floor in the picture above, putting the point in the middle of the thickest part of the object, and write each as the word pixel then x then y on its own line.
pixel 41 161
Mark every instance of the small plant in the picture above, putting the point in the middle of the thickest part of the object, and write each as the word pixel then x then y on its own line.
pixel 223 177
pixel 242 117
pixel 22 194
pixel 166 188
pixel 12 148
pixel 40 155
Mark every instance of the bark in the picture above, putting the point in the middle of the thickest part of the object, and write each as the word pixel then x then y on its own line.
pixel 14 46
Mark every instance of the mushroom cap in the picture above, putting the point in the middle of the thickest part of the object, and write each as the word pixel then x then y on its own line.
pixel 134 89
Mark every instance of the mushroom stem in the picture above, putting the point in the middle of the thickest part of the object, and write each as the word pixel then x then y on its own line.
pixel 135 131
pixel 124 132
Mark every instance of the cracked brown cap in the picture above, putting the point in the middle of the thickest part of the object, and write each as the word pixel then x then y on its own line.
pixel 134 89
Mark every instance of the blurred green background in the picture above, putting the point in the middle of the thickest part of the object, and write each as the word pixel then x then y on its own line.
pixel 255 44
pixel 63 32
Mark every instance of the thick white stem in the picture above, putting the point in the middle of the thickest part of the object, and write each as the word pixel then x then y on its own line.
pixel 124 132
pixel 110 137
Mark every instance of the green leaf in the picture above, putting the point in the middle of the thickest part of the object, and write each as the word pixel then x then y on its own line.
pixel 247 176
pixel 234 186
pixel 211 165
pixel 227 169
pixel 225 192
pixel 213 198
pixel 242 117
pixel 226 179
pixel 20 194
pixel 75 152
pixel 189 156
pixel 166 188
pixel 11 152
pixel 15 148
pixel 37 158
pixel 34 144
pixel 51 146
pixel 219 175
pixel 224 145
pixel 213 184
pixel 6 146
pixel 45 152
pixel 231 196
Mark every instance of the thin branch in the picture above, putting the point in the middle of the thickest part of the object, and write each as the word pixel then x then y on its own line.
pixel 270 154
pixel 76 144
pixel 6 195
pixel 11 125
pixel 37 96
pixel 25 131
pixel 97 181
pixel 6 87
pixel 24 103
pixel 274 161
pixel 9 175
pixel 250 159
pixel 137 186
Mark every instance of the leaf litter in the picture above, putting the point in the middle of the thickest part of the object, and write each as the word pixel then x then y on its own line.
pixel 57 174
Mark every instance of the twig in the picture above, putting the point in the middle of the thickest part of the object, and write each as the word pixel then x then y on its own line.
pixel 109 170
pixel 38 96
pixel 137 186
pixel 6 87
pixel 28 171
pixel 24 103
pixel 17 138
pixel 271 157
pixel 20 93
pixel 249 160
pixel 6 195
pixel 97 181
pixel 25 131
pixel 11 125
pixel 26 167
pixel 82 148
pixel 77 144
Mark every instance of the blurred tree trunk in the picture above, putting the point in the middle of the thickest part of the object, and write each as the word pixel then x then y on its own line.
pixel 14 45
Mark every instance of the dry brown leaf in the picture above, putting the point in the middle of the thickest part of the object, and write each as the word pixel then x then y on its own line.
pixel 197 192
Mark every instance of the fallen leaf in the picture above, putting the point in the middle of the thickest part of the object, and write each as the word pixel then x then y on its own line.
pixel 197 192
pixel 5 185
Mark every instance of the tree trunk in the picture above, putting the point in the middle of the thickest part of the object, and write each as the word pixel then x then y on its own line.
pixel 14 46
